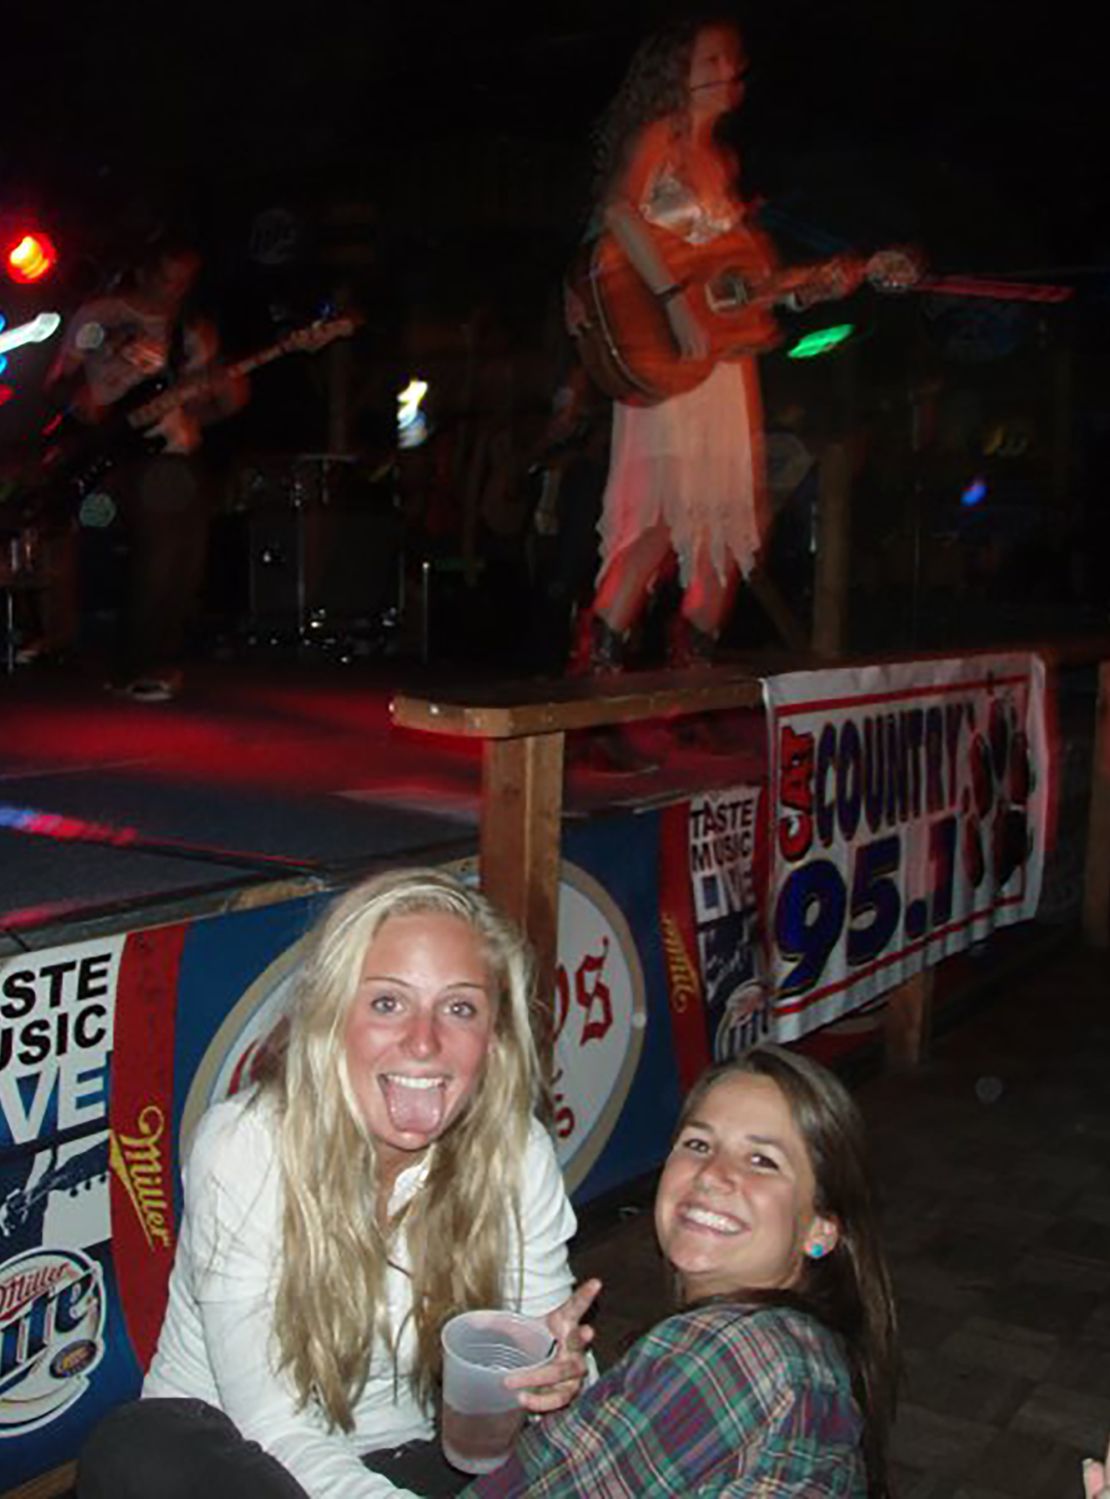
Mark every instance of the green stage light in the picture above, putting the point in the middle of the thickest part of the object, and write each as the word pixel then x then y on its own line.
pixel 820 341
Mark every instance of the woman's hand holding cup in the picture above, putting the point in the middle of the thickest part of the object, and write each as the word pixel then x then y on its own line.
pixel 559 1381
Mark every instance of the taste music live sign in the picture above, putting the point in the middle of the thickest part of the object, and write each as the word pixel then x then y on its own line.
pixel 908 815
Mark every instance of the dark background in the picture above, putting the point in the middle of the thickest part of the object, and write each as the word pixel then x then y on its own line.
pixel 976 129
pixel 435 157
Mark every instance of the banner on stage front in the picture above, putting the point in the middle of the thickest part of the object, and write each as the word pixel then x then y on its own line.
pixel 909 812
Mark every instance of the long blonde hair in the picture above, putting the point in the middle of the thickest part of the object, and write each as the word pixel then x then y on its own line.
pixel 331 1297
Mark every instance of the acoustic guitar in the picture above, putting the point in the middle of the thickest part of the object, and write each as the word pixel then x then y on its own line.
pixel 623 333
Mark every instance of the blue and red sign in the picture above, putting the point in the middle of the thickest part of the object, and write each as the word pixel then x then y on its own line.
pixel 909 814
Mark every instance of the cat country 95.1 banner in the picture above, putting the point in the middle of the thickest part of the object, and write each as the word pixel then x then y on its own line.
pixel 908 807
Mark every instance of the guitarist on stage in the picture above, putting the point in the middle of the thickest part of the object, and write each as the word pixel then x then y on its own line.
pixel 118 348
pixel 686 475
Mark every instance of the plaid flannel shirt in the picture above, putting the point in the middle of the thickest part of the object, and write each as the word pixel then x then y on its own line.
pixel 722 1399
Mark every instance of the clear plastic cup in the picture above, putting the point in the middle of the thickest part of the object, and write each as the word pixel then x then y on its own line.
pixel 481 1417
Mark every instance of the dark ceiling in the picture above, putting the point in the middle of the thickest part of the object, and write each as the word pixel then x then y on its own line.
pixel 965 125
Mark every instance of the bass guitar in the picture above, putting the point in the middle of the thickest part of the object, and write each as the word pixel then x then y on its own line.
pixel 623 333
pixel 78 454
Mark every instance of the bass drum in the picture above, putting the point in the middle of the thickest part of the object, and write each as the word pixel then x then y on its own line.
pixel 323 545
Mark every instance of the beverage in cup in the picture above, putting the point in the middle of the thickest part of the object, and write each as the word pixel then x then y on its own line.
pixel 481 1417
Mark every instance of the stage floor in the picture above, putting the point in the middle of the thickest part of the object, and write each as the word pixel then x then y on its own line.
pixel 260 769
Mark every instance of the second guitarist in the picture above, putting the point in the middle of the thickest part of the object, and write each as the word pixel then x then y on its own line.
pixel 686 475
pixel 113 345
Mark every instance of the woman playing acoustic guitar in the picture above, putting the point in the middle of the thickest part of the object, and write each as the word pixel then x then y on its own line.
pixel 686 473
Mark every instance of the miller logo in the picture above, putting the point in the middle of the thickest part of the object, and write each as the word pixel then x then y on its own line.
pixel 51 1335
pixel 685 981
pixel 139 1161
pixel 746 1021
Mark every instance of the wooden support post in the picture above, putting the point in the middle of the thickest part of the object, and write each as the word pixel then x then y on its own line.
pixel 786 622
pixel 1062 447
pixel 834 519
pixel 906 1022
pixel 339 367
pixel 339 372
pixel 522 806
pixel 1096 881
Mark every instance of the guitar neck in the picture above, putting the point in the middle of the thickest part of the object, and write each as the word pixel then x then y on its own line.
pixel 263 356
pixel 78 1170
pixel 161 405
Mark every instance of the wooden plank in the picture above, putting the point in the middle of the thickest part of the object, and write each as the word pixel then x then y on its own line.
pixel 518 708
pixel 46 1485
pixel 1096 880
pixel 906 1022
pixel 521 822
pixel 509 709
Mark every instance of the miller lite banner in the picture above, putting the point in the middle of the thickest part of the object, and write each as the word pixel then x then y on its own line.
pixel 97 1040
pixel 57 1013
pixel 908 821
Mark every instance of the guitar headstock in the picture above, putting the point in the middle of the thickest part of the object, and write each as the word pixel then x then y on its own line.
pixel 319 334
pixel 895 269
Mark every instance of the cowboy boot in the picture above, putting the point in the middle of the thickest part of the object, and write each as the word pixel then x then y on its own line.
pixel 692 649
pixel 688 647
pixel 598 649
pixel 599 652
pixel 607 648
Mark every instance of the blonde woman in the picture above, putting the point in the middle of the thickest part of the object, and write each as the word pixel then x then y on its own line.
pixel 387 1173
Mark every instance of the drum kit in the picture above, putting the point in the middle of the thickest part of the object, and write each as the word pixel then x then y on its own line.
pixel 308 559
pixel 324 553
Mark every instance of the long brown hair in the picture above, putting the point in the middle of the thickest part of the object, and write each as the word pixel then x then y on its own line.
pixel 849 1290
pixel 654 88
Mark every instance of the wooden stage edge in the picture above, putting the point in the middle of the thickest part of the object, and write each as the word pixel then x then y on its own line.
pixel 523 726
pixel 508 710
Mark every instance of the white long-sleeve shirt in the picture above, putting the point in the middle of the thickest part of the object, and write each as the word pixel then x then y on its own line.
pixel 216 1345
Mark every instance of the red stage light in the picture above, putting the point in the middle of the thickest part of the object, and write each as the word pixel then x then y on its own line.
pixel 30 256
pixel 6 393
